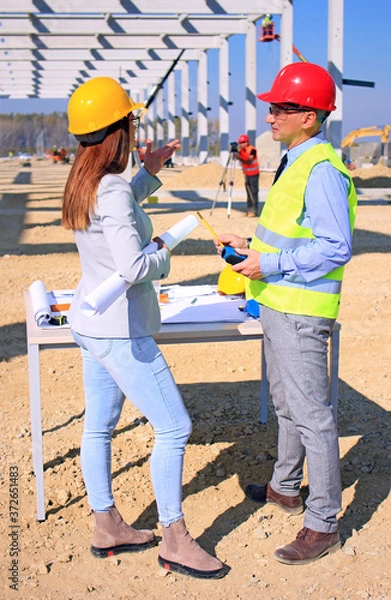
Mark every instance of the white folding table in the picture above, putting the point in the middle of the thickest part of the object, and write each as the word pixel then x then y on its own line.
pixel 175 333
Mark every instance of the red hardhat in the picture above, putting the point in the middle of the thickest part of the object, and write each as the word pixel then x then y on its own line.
pixel 304 84
pixel 243 138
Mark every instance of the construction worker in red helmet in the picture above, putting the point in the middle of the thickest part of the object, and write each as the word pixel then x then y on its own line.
pixel 294 270
pixel 247 155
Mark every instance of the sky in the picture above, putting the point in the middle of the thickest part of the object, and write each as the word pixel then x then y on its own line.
pixel 367 52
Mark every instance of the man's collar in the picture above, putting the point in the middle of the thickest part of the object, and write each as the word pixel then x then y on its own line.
pixel 295 152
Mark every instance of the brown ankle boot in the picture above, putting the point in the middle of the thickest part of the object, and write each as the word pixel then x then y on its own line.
pixel 180 553
pixel 112 535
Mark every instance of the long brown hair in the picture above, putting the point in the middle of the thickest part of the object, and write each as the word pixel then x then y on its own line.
pixel 91 163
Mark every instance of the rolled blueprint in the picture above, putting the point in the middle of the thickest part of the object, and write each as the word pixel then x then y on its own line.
pixel 173 236
pixel 110 290
pixel 179 231
pixel 40 302
pixel 104 295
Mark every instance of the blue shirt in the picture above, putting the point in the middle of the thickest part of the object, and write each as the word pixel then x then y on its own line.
pixel 326 213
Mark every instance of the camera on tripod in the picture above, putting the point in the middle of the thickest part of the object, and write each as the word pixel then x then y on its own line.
pixel 233 146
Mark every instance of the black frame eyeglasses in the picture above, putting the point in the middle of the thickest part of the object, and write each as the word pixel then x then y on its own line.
pixel 135 121
pixel 282 112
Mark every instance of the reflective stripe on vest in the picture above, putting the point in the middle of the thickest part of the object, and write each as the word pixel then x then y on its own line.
pixel 279 229
pixel 253 167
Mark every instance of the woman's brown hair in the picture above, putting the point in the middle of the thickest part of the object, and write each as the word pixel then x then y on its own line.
pixel 91 163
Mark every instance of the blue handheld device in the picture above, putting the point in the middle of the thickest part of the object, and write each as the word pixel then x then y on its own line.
pixel 232 257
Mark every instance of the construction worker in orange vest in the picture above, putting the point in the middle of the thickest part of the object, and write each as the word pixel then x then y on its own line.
pixel 267 27
pixel 247 155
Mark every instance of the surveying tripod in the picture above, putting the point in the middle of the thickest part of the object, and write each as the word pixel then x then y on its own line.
pixel 231 165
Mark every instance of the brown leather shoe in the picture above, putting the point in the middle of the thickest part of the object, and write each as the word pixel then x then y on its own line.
pixel 308 546
pixel 264 494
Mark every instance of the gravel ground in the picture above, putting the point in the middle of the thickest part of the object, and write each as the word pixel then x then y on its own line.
pixel 220 386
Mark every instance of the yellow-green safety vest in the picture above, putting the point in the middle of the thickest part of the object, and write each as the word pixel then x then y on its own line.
pixel 279 229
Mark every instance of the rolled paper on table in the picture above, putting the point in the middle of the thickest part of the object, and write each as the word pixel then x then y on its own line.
pixel 40 302
pixel 110 290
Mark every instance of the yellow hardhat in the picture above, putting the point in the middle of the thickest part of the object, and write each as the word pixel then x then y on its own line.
pixel 230 282
pixel 98 103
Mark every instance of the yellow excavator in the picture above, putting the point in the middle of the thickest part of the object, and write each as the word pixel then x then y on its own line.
pixel 383 132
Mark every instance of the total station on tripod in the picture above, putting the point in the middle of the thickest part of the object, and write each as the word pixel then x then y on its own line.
pixel 231 164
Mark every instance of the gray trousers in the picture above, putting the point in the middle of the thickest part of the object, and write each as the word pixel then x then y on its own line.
pixel 252 191
pixel 296 350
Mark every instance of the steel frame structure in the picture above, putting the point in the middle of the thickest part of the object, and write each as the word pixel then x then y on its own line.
pixel 50 47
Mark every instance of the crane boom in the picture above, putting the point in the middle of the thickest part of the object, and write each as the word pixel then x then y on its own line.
pixel 383 132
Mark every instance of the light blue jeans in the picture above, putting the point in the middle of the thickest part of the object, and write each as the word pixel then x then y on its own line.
pixel 134 368
pixel 296 349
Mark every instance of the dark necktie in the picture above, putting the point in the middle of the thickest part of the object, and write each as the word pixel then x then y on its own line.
pixel 280 168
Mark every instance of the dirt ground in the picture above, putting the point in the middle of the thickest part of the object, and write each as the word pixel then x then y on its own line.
pixel 220 385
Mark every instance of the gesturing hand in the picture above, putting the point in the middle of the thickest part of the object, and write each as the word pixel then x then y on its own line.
pixel 154 160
